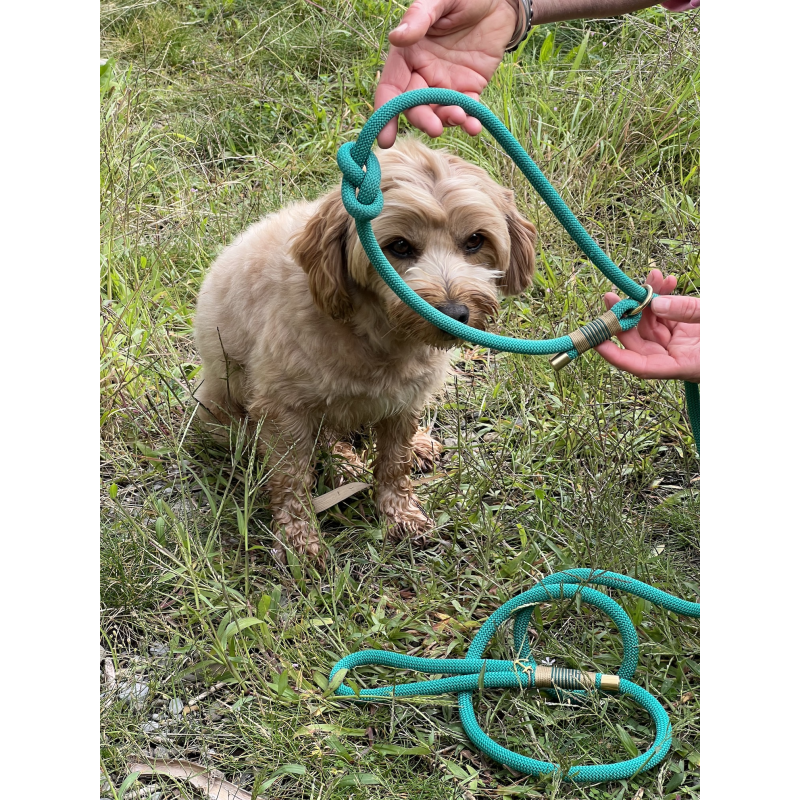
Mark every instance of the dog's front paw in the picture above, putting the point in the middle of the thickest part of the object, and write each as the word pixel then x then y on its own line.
pixel 405 516
pixel 426 450
pixel 416 529
pixel 298 535
pixel 315 552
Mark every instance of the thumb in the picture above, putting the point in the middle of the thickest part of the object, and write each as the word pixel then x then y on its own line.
pixel 678 309
pixel 416 21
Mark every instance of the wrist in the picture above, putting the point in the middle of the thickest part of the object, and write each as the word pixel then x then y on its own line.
pixel 543 11
pixel 523 24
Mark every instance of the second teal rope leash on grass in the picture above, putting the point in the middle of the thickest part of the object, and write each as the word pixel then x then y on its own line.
pixel 474 672
pixel 362 197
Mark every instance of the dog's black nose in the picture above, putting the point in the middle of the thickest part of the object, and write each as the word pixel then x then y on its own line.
pixel 459 312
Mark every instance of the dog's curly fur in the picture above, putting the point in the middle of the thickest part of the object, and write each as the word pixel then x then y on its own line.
pixel 298 333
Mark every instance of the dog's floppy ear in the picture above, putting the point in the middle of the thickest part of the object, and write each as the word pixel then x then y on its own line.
pixel 522 261
pixel 320 249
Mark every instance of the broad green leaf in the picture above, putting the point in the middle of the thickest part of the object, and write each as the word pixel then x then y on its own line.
pixel 222 626
pixel 240 625
pixel 457 770
pixel 627 742
pixel 546 53
pixel 342 579
pixel 320 680
pixel 360 779
pixel 286 769
pixel 338 678
pixel 396 750
pixel 127 783
pixel 482 675
pixel 674 782
pixel 282 683
pixel 275 607
pixel 263 606
pixel 578 60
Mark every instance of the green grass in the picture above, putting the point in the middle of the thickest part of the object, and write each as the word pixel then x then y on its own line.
pixel 214 113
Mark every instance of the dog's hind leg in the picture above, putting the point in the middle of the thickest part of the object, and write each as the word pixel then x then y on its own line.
pixel 287 442
pixel 219 394
pixel 425 450
pixel 350 465
pixel 394 493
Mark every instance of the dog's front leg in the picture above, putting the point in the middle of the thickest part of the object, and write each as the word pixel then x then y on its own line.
pixel 394 493
pixel 287 444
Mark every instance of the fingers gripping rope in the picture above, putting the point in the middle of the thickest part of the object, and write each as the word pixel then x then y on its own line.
pixel 475 673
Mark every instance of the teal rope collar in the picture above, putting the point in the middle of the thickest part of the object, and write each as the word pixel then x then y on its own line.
pixel 474 672
pixel 362 197
pixel 361 171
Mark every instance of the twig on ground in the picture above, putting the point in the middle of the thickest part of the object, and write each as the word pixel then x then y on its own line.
pixel 191 705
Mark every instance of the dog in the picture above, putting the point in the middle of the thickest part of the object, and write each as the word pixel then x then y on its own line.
pixel 299 337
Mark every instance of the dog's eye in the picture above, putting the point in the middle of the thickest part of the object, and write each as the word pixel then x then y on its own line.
pixel 401 248
pixel 474 243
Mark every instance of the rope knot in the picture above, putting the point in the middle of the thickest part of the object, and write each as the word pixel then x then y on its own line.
pixel 368 203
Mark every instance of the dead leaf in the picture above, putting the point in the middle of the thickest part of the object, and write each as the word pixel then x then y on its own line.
pixel 329 499
pixel 475 354
pixel 639 794
pixel 110 673
pixel 209 781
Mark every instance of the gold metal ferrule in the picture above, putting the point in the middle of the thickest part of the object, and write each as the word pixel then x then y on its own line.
pixel 609 683
pixel 559 361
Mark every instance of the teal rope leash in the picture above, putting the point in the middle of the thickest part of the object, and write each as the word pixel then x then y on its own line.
pixel 362 197
pixel 474 672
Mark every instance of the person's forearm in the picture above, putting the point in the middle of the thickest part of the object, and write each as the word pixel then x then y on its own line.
pixel 560 10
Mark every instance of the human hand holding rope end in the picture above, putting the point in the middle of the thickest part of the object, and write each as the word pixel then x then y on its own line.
pixel 458 44
pixel 446 44
pixel 666 343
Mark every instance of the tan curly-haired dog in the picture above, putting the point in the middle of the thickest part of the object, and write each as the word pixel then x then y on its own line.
pixel 299 334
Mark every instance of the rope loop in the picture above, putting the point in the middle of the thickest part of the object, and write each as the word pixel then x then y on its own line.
pixel 362 197
pixel 353 157
pixel 474 672
pixel 368 203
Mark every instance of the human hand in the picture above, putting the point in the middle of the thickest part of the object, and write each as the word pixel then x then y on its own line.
pixel 666 342
pixel 444 44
